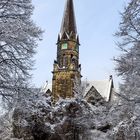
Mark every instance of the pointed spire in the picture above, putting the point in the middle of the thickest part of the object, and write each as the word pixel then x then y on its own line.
pixel 69 23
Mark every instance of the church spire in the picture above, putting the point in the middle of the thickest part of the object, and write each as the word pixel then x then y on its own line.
pixel 66 66
pixel 68 27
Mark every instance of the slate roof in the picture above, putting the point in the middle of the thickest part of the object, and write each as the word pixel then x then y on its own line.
pixel 69 22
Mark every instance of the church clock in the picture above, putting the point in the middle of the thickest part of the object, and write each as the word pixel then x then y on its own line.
pixel 64 46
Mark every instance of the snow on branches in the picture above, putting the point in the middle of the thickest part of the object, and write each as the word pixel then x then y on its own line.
pixel 18 36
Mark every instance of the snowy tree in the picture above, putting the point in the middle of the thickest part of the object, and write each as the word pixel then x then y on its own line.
pixel 70 118
pixel 18 40
pixel 18 36
pixel 124 114
pixel 38 119
pixel 128 64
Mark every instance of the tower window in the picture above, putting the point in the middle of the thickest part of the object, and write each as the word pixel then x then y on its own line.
pixel 71 58
pixel 71 55
pixel 65 61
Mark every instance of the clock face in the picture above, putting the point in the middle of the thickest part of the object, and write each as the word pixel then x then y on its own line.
pixel 64 46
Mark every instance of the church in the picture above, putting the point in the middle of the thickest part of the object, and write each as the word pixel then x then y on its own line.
pixel 66 67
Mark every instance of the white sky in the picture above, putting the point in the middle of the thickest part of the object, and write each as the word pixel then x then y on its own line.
pixel 97 21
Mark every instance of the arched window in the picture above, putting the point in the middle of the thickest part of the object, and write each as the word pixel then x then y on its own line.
pixel 65 60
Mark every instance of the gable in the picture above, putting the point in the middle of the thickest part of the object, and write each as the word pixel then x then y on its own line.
pixel 92 92
pixel 94 97
pixel 104 88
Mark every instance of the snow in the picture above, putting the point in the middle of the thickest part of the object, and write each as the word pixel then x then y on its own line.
pixel 103 87
pixel 35 115
pixel 2 111
pixel 46 87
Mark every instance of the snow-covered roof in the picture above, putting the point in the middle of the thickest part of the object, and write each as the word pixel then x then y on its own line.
pixel 46 87
pixel 104 87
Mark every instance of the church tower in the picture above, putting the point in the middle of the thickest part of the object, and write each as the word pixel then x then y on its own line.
pixel 66 66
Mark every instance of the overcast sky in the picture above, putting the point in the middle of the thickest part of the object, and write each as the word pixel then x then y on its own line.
pixel 97 21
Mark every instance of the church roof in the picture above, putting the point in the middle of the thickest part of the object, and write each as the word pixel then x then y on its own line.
pixel 104 87
pixel 46 87
pixel 69 23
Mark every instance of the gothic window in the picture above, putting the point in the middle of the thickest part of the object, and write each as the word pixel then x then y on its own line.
pixel 74 61
pixel 65 61
pixel 71 58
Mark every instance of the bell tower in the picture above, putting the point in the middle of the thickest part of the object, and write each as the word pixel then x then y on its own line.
pixel 66 66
